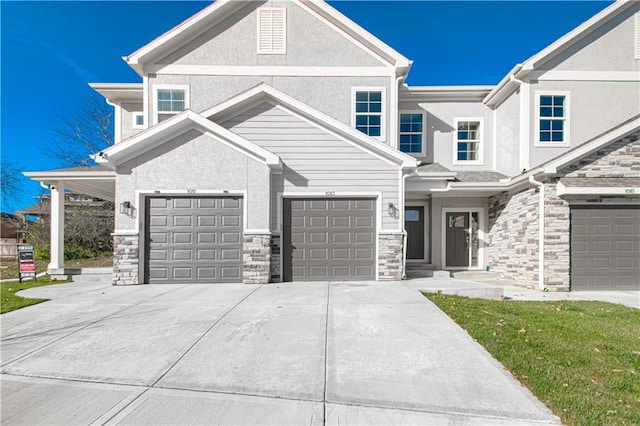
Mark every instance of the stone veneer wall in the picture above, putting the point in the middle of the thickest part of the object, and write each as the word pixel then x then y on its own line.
pixel 557 247
pixel 512 251
pixel 390 257
pixel 620 159
pixel 125 259
pixel 256 258
pixel 276 276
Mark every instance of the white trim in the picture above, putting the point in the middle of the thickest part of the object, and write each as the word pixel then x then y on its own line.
pixel 383 112
pixel 134 125
pixel 480 160
pixel 426 217
pixel 145 101
pixel 567 119
pixel 481 236
pixel 561 190
pixel 604 76
pixel 117 121
pixel 494 132
pixel 423 150
pixel 156 87
pixel 269 70
pixel 525 122
pixel 271 51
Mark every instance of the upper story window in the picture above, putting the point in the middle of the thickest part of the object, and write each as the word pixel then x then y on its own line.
pixel 368 114
pixel 170 100
pixel 468 140
pixel 272 30
pixel 412 132
pixel 137 119
pixel 552 118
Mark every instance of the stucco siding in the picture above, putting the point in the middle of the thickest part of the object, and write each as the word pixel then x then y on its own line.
pixel 329 95
pixel 234 42
pixel 126 118
pixel 610 47
pixel 193 161
pixel 441 133
pixel 316 161
pixel 507 159
pixel 594 108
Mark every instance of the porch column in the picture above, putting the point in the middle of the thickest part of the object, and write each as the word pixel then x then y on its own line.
pixel 56 266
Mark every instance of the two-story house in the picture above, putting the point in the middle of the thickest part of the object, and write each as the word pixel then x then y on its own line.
pixel 277 141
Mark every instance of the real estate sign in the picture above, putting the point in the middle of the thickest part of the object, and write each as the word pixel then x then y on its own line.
pixel 26 262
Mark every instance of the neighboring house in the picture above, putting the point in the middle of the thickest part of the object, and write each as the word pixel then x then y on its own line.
pixel 10 235
pixel 276 141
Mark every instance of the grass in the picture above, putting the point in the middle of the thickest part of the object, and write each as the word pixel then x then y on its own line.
pixel 10 301
pixel 9 267
pixel 581 359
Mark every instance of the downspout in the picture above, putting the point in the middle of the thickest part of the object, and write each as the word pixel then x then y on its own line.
pixel 540 186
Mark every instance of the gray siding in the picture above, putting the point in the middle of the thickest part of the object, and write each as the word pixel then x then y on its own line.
pixel 316 161
pixel 195 161
pixel 508 136
pixel 610 47
pixel 595 107
pixel 330 95
pixel 440 131
pixel 310 42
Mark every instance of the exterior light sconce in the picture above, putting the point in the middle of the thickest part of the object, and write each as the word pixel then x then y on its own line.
pixel 392 210
pixel 126 208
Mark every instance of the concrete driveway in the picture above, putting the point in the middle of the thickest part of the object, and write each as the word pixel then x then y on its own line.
pixel 298 353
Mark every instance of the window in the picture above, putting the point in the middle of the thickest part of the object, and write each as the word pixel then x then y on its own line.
pixel 468 140
pixel 368 114
pixel 412 132
pixel 170 101
pixel 272 34
pixel 138 120
pixel 552 110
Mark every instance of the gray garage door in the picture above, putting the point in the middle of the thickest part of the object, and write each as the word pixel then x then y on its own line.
pixel 194 239
pixel 328 239
pixel 605 248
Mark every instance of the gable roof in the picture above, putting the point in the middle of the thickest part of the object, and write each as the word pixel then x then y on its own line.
pixel 179 124
pixel 507 85
pixel 265 93
pixel 221 9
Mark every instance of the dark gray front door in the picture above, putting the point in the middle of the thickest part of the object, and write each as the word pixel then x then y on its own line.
pixel 414 225
pixel 457 239
pixel 193 239
pixel 605 248
pixel 328 239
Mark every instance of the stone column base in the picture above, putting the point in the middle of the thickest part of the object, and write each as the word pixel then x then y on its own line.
pixel 125 259
pixel 256 258
pixel 390 261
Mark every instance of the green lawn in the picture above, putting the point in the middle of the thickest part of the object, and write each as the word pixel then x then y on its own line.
pixel 581 359
pixel 10 302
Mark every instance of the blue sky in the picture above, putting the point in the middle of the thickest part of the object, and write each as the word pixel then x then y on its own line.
pixel 51 50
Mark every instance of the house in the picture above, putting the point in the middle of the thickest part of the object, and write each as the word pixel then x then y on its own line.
pixel 10 234
pixel 253 152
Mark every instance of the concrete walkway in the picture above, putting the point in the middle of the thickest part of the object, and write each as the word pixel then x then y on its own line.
pixel 298 353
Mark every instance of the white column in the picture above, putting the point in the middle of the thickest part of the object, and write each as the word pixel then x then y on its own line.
pixel 56 266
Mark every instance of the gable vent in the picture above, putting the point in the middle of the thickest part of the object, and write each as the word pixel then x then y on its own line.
pixel 272 34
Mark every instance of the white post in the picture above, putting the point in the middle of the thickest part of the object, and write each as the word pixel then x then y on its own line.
pixel 56 266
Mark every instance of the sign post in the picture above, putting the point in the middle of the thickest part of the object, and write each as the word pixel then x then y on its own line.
pixel 26 262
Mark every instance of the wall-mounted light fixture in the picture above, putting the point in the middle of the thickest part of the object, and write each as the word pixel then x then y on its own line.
pixel 391 210
pixel 126 208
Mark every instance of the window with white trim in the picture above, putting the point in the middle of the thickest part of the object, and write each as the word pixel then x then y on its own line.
pixel 272 30
pixel 411 139
pixel 552 113
pixel 170 101
pixel 137 119
pixel 468 140
pixel 368 112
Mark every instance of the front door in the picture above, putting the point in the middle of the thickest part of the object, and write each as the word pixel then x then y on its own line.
pixel 457 239
pixel 414 225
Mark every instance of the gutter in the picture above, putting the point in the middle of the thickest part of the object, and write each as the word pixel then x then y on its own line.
pixel 540 186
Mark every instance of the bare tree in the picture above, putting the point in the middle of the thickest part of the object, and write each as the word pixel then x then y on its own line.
pixel 81 133
pixel 10 182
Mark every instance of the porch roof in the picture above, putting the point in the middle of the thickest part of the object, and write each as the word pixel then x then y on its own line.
pixel 97 181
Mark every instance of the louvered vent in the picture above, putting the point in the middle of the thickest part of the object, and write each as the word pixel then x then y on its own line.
pixel 272 34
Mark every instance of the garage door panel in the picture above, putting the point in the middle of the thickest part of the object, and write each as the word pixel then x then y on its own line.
pixel 193 239
pixel 326 239
pixel 605 247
